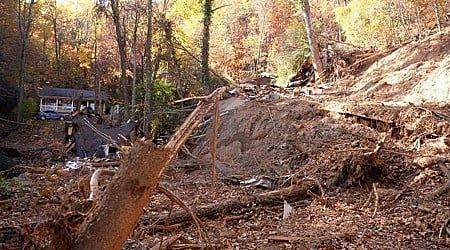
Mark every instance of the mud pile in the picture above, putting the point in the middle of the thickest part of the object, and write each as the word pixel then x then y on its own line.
pixel 416 73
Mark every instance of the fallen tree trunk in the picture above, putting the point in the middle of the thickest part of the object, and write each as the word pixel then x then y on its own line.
pixel 212 211
pixel 114 217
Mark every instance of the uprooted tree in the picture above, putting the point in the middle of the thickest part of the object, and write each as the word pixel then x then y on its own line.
pixel 114 217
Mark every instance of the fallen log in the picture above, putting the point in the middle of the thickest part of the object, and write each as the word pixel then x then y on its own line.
pixel 216 210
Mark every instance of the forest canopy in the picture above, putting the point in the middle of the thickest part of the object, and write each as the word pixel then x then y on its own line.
pixel 74 44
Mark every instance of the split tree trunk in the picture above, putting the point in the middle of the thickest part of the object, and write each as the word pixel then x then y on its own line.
pixel 118 212
pixel 113 219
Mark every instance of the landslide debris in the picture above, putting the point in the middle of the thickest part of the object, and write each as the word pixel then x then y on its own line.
pixel 371 142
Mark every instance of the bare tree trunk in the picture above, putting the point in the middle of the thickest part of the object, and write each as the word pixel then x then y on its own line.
pixel 98 98
pixel 418 22
pixel 120 36
pixel 24 21
pixel 313 45
pixel 175 69
pixel 57 39
pixel 148 69
pixel 404 19
pixel 134 46
pixel 261 36
pixel 339 33
pixel 207 13
pixel 436 13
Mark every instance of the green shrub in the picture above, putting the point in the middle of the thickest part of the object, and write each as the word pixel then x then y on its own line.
pixel 29 109
pixel 5 189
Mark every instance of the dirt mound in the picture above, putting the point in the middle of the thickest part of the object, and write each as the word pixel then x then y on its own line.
pixel 280 138
pixel 416 73
pixel 345 147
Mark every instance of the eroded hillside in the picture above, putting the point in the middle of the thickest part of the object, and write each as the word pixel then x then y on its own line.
pixel 371 152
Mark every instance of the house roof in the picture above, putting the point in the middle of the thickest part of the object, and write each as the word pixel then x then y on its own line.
pixel 88 95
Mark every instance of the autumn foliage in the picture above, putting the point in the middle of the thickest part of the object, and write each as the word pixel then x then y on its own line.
pixel 73 44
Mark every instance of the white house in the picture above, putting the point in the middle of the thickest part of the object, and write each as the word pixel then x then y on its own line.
pixel 67 100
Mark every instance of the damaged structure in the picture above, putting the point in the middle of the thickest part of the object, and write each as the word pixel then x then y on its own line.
pixel 87 136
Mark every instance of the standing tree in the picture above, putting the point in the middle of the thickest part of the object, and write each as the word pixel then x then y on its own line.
pixel 121 42
pixel 57 39
pixel 25 18
pixel 313 45
pixel 262 9
pixel 148 68
pixel 207 13
pixel 134 50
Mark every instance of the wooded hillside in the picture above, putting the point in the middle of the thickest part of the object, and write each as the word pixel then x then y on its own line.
pixel 105 44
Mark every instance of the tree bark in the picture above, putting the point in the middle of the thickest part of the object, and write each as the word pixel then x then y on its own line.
pixel 313 45
pixel 57 42
pixel 148 69
pixel 207 13
pixel 120 37
pixel 134 80
pixel 24 21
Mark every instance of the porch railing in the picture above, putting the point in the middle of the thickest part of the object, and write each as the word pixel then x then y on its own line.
pixel 56 108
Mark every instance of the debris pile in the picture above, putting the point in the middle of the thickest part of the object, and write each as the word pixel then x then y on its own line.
pixel 336 170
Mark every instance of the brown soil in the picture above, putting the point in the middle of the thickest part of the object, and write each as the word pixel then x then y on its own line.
pixel 363 135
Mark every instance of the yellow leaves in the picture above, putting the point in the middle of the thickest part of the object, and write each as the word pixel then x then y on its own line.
pixel 84 56
pixel 187 16
pixel 73 8
pixel 365 22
